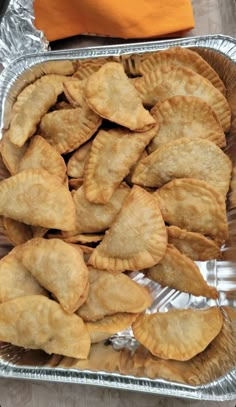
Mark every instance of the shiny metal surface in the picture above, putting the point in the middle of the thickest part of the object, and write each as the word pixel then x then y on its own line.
pixel 15 362
pixel 17 31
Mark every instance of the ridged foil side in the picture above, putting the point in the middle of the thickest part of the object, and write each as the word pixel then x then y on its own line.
pixel 18 35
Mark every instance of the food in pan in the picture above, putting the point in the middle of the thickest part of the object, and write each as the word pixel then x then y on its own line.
pixel 124 247
pixel 37 322
pixel 113 170
pixel 111 293
pixel 178 334
pixel 185 116
pixel 177 271
pixel 177 159
pixel 194 205
pixel 102 176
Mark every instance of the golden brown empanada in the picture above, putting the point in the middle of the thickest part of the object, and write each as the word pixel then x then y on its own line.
pixel 185 158
pixel 39 231
pixel 193 245
pixel 181 57
pixel 232 196
pixel 178 334
pixel 88 66
pixel 131 63
pixel 61 105
pixel 74 91
pixel 40 154
pixel 83 238
pixel 111 293
pixel 55 80
pixel 17 232
pixel 194 205
pixel 41 200
pixel 137 237
pixel 11 154
pixel 63 67
pixel 175 270
pixel 128 178
pixel 35 322
pixel 75 165
pixel 58 267
pixel 68 129
pixel 22 98
pixel 75 183
pixel 15 279
pixel 24 123
pixel 171 80
pixel 93 218
pixel 86 250
pixel 101 358
pixel 103 175
pixel 111 95
pixel 185 116
pixel 109 325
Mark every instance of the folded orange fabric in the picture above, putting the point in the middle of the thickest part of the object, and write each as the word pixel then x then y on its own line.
pixel 116 18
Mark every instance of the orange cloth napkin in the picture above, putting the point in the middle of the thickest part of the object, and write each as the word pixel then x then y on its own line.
pixel 116 18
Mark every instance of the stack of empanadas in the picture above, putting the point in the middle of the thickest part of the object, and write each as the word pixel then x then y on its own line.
pixel 115 167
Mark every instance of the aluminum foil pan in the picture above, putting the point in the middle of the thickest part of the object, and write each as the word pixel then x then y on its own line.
pixel 17 32
pixel 219 360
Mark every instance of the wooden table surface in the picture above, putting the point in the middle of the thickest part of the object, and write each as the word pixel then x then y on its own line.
pixel 211 16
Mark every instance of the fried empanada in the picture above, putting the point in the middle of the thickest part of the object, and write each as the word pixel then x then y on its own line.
pixel 75 183
pixel 131 63
pixel 55 80
pixel 66 67
pixel 178 334
pixel 61 105
pixel 93 218
pixel 35 322
pixel 24 123
pixel 37 198
pixel 74 91
pixel 82 238
pixel 171 80
pixel 101 358
pixel 111 95
pixel 17 232
pixel 137 238
pixel 58 267
pixel 185 116
pixel 185 158
pixel 21 99
pixel 86 250
pixel 39 231
pixel 86 67
pixel 232 196
pixel 40 154
pixel 194 205
pixel 103 175
pixel 109 325
pixel 193 245
pixel 175 270
pixel 11 154
pixel 68 129
pixel 15 279
pixel 75 165
pixel 111 293
pixel 128 178
pixel 182 57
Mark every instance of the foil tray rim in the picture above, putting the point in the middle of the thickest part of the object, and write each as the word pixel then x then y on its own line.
pixel 221 389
